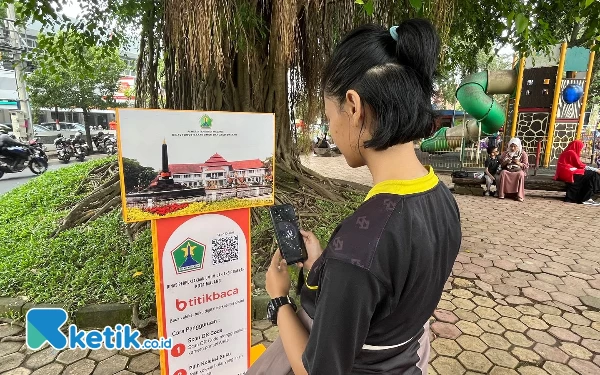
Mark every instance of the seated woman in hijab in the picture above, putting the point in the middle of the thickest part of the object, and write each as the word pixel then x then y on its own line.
pixel 583 181
pixel 514 163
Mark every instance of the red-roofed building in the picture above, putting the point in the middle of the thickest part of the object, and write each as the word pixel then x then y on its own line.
pixel 218 172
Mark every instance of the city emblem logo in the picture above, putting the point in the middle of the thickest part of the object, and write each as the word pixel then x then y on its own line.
pixel 205 122
pixel 189 256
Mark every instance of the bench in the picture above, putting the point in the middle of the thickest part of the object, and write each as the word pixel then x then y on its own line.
pixel 473 186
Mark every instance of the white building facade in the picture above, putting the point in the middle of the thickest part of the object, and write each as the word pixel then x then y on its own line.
pixel 217 173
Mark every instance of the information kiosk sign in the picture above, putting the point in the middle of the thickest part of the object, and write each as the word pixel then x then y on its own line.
pixel 202 271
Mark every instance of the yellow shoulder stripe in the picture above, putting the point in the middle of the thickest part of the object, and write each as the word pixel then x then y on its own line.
pixel 406 187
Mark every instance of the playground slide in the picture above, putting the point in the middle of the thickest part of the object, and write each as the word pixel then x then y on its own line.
pixel 472 94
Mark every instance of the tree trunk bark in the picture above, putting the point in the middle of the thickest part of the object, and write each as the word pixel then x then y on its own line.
pixel 86 123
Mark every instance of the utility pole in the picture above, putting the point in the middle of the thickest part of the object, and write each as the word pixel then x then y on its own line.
pixel 15 37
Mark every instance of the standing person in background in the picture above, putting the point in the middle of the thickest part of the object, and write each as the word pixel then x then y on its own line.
pixel 369 295
pixel 515 163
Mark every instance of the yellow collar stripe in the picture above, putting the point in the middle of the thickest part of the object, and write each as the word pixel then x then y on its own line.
pixel 406 187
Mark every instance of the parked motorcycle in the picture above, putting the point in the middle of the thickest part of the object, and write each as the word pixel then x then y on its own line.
pixel 39 149
pixel 110 143
pixel 105 143
pixel 323 147
pixel 80 147
pixel 20 158
pixel 64 148
pixel 78 151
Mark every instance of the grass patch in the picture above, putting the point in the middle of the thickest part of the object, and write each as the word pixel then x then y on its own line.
pixel 96 262
pixel 93 263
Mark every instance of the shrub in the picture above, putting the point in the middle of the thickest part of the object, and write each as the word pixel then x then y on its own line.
pixel 93 263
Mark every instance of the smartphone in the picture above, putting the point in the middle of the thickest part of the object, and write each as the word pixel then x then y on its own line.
pixel 287 233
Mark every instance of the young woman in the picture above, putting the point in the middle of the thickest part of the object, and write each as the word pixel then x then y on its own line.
pixel 370 293
pixel 583 180
pixel 514 163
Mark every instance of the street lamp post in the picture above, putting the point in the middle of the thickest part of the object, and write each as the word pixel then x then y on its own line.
pixel 19 69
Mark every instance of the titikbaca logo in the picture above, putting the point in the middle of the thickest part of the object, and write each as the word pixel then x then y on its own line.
pixel 44 325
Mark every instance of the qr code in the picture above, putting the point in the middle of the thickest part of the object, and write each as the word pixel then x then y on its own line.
pixel 225 249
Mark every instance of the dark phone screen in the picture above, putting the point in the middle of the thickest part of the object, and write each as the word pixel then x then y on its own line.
pixel 287 233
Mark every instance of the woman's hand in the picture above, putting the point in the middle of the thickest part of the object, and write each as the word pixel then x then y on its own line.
pixel 278 278
pixel 313 248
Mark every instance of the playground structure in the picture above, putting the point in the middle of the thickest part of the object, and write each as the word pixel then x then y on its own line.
pixel 548 97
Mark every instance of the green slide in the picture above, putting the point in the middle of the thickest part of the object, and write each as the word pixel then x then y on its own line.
pixel 472 94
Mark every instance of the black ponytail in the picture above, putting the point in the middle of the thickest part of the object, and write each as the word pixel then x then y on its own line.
pixel 418 47
pixel 393 78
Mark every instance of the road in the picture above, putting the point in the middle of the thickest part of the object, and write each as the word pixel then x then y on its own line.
pixel 11 180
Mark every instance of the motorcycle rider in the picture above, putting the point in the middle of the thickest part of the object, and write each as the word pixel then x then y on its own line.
pixel 8 141
pixel 79 137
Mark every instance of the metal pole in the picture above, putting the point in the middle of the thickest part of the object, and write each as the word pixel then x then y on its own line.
pixel 551 125
pixel 538 153
pixel 19 68
pixel 462 143
pixel 593 147
pixel 478 142
pixel 586 91
pixel 513 129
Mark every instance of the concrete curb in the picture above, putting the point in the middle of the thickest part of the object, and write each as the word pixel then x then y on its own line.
pixel 90 316
pixel 108 314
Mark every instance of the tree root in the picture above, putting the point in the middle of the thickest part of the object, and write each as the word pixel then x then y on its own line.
pixel 140 323
pixel 104 189
pixel 296 185
pixel 298 179
pixel 133 229
pixel 12 322
pixel 13 339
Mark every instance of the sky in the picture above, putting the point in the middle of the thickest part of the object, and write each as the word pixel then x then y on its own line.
pixel 143 131
pixel 72 9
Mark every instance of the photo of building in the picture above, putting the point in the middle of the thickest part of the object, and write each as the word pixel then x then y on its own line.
pixel 217 172
pixel 199 163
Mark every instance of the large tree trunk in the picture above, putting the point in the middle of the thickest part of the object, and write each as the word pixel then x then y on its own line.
pixel 253 79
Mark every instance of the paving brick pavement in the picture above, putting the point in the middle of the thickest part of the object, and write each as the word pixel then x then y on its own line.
pixel 16 359
pixel 524 294
pixel 523 297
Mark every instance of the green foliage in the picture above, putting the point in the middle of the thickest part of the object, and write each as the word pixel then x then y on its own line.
pixel 96 262
pixel 93 263
pixel 522 22
pixel 86 78
pixel 490 24
pixel 137 176
pixel 417 4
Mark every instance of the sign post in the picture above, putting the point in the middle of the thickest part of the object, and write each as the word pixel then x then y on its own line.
pixel 196 175
pixel 202 272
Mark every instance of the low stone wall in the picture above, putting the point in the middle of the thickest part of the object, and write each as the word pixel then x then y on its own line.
pixel 91 316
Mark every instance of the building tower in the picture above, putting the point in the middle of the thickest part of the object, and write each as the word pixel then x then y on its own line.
pixel 165 177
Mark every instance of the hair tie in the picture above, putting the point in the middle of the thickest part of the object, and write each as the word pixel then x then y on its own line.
pixel 394 33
